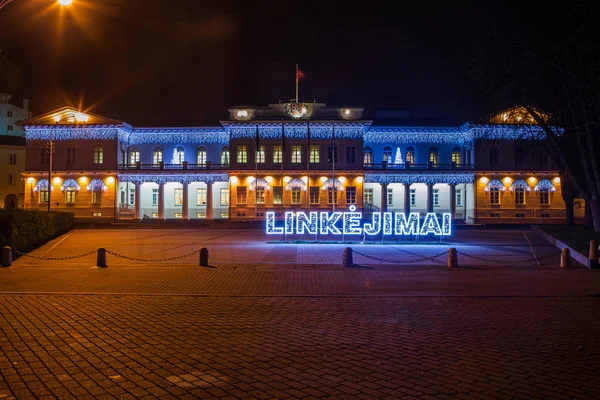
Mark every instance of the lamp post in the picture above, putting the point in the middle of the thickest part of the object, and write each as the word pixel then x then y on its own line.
pixel 50 157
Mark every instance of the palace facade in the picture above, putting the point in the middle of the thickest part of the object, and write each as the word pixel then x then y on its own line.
pixel 289 157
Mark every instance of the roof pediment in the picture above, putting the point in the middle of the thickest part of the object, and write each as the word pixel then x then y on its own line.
pixel 69 116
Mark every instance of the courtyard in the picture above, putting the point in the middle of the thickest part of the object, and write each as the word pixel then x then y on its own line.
pixel 273 321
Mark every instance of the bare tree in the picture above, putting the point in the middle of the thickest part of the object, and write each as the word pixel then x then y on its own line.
pixel 4 3
pixel 550 63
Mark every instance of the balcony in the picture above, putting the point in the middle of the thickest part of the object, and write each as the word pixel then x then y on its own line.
pixel 173 167
pixel 383 166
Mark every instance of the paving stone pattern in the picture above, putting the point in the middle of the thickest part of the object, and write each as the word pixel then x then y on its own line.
pixel 274 348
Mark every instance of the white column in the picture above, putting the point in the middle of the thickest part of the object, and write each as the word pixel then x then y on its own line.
pixel 452 199
pixel 430 197
pixel 137 201
pixel 185 202
pixel 384 188
pixel 209 201
pixel 161 201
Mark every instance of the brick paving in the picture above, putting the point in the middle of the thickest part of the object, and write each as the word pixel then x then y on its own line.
pixel 273 322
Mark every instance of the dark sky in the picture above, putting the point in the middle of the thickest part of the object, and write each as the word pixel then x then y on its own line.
pixel 184 62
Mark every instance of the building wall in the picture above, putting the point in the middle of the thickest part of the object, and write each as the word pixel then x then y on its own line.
pixel 83 208
pixel 84 155
pixel 10 114
pixel 11 181
pixel 507 210
pixel 421 152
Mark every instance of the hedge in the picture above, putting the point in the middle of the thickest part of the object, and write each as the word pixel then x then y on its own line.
pixel 27 230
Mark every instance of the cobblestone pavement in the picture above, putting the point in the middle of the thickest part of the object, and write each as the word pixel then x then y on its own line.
pixel 288 321
pixel 276 348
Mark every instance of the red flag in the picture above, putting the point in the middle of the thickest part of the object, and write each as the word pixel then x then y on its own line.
pixel 300 74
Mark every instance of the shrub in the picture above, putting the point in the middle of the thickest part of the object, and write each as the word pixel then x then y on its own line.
pixel 26 230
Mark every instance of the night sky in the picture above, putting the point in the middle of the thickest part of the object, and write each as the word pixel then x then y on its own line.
pixel 184 62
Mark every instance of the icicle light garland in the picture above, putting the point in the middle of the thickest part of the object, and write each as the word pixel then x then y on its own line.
pixel 178 136
pixel 96 184
pixel 261 183
pixel 508 132
pixel 297 132
pixel 69 183
pixel 178 178
pixel 520 184
pixel 330 183
pixel 452 179
pixel 544 184
pixel 295 183
pixel 41 184
pixel 74 132
pixel 494 184
pixel 415 135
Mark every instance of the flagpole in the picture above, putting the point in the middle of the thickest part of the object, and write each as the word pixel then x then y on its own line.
pixel 256 176
pixel 333 163
pixel 308 165
pixel 296 83
pixel 281 176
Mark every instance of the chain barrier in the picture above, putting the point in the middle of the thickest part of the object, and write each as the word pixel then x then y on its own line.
pixel 55 258
pixel 400 261
pixel 152 260
pixel 504 262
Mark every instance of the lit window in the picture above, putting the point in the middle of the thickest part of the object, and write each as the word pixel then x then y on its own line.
pixel 70 195
pixel 296 195
pixel 332 195
pixel 97 196
pixel 224 196
pixel 387 154
pixel 390 197
pixel 315 192
pixel 277 154
pixel 350 194
pixel 410 155
pixel 456 155
pixel 368 196
pixel 413 197
pixel 544 197
pixel 242 154
pixel 368 156
pixel 494 196
pixel 178 197
pixel 314 154
pixel 260 195
pixel 98 155
pixel 296 154
pixel 241 195
pixel 201 196
pixel 96 214
pixel 134 155
pixel 277 194
pixel 201 156
pixel 520 196
pixel 178 215
pixel 436 197
pixel 157 156
pixel 261 154
pixel 43 195
pixel 201 215
pixel 224 215
pixel 433 155
pixel 225 155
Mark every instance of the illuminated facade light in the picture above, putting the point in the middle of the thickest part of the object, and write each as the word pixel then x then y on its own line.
pixel 110 179
pixel 269 179
pixel 233 179
pixel 484 179
pixel 56 118
pixel 65 2
pixel 286 179
pixel 347 112
pixel 56 180
pixel 532 179
pixel 507 180
pixel 30 180
pixel 557 180
pixel 242 113
pixel 81 117
pixel 83 180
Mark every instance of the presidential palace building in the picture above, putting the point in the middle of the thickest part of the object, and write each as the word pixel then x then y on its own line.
pixel 290 157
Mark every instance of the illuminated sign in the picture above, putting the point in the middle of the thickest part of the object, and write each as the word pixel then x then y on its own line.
pixel 387 223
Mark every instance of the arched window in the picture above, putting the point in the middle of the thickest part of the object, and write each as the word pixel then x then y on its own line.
pixel 201 155
pixel 368 156
pixel 225 155
pixel 433 155
pixel 387 154
pixel 157 155
pixel 410 155
pixel 178 155
pixel 456 155
pixel 134 155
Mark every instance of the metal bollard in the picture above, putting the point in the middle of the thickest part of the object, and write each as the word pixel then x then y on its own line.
pixel 565 258
pixel 347 260
pixel 204 257
pixel 452 258
pixel 593 254
pixel 101 258
pixel 7 256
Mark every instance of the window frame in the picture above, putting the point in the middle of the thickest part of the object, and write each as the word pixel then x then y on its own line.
pixel 351 194
pixel 367 155
pixel 296 195
pixel 332 194
pixel 201 156
pixel 544 197
pixel 409 155
pixel 224 197
pixel 277 194
pixel 315 154
pixel 296 154
pixel 157 155
pixel 178 197
pixel 201 194
pixel 312 190
pixel 494 196
pixel 241 154
pixel 368 196
pixel 434 155
pixel 98 154
pixel 241 195
pixel 277 154
pixel 520 193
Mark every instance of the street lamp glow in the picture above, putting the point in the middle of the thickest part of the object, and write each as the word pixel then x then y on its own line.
pixel 65 2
